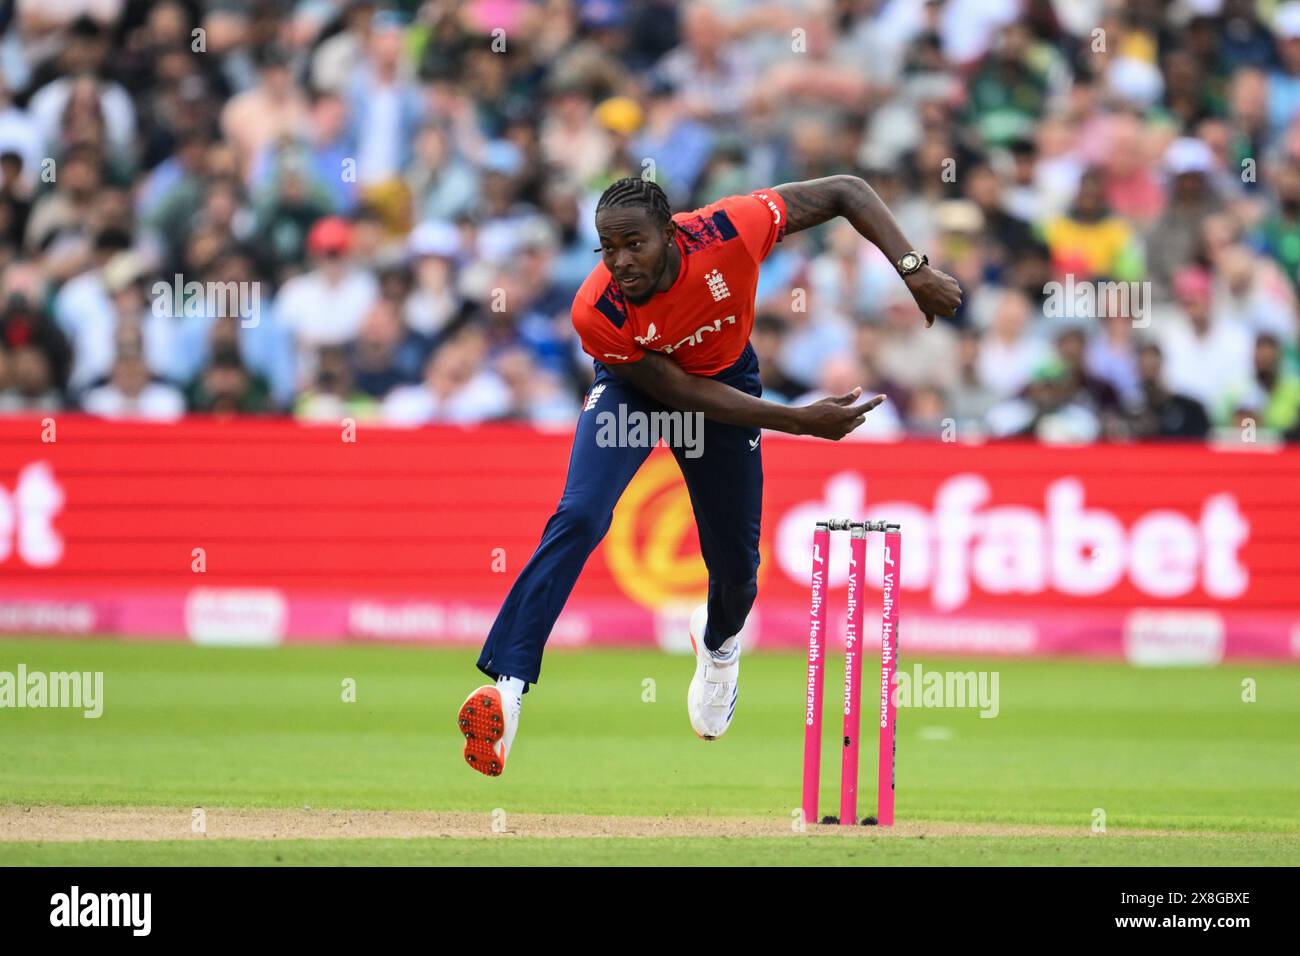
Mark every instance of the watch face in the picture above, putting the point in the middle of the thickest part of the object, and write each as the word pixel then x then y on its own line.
pixel 909 262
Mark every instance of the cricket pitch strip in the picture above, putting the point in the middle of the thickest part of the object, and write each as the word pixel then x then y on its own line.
pixel 50 824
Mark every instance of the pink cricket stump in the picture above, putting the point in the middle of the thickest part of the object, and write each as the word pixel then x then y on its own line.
pixel 888 668
pixel 813 677
pixel 852 678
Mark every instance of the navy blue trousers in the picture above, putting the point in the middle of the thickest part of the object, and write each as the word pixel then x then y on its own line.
pixel 726 489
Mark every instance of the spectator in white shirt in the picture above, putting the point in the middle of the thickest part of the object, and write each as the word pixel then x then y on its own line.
pixel 910 354
pixel 456 388
pixel 1009 352
pixel 1252 291
pixel 434 248
pixel 327 305
pixel 1206 357
pixel 129 392
pixel 81 59
pixel 840 374
pixel 95 308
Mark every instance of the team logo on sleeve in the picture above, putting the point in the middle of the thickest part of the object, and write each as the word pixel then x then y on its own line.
pixel 717 286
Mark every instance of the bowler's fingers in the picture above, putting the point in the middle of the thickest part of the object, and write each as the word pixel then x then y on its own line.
pixel 868 405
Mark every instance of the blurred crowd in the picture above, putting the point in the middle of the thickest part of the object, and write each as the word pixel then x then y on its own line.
pixel 394 203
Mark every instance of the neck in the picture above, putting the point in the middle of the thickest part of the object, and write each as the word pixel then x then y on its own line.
pixel 672 270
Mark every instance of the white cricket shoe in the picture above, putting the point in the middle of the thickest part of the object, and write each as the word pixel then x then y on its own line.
pixel 488 724
pixel 711 700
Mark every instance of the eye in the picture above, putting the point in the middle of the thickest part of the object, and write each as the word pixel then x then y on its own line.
pixel 634 243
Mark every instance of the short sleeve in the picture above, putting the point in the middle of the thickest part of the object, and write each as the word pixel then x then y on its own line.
pixel 760 220
pixel 601 338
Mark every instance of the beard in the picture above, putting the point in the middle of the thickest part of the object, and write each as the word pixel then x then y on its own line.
pixel 654 277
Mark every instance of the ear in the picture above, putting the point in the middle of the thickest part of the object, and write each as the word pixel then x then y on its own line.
pixel 670 230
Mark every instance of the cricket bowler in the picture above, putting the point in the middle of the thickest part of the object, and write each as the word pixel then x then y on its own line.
pixel 666 316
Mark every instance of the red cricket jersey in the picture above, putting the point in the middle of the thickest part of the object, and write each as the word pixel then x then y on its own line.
pixel 704 320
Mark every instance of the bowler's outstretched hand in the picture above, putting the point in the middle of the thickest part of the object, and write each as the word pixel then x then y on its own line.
pixel 833 418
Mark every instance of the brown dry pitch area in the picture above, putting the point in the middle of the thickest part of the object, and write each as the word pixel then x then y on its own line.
pixel 52 824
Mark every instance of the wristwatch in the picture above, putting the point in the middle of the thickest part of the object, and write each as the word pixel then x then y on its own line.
pixel 911 262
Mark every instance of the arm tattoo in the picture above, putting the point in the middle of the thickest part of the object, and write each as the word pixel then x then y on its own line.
pixel 812 202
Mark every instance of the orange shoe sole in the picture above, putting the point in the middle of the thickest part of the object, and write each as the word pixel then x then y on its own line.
pixel 483 723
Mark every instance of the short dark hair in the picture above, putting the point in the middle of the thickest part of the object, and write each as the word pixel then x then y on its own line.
pixel 635 191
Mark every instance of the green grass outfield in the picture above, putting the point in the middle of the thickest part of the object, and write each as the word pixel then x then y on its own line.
pixel 652 851
pixel 606 734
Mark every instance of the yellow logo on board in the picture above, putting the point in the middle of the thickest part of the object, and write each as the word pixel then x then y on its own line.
pixel 652 545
